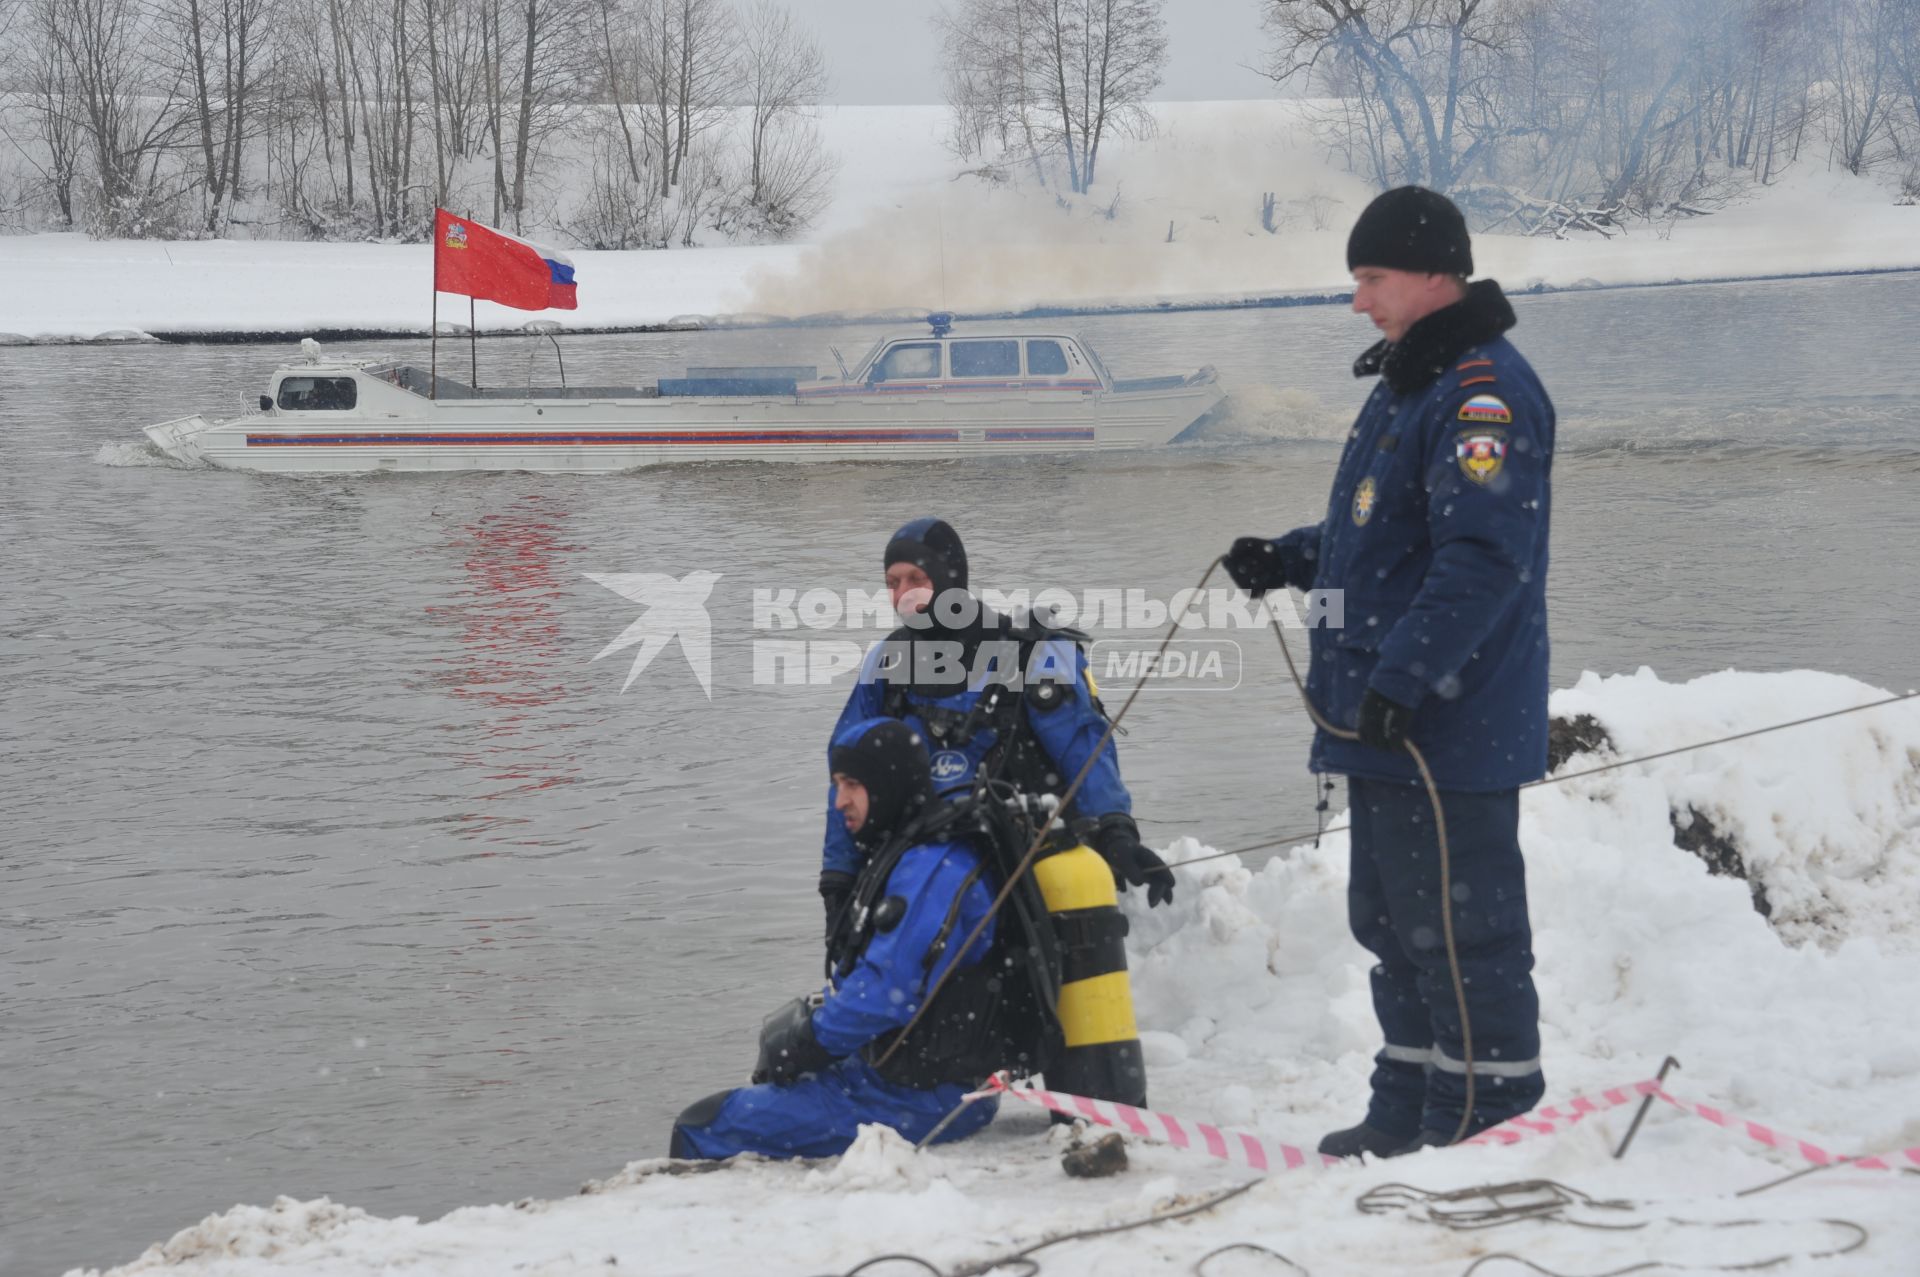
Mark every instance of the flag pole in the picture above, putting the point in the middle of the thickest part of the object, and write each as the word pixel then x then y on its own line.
pixel 433 338
pixel 473 340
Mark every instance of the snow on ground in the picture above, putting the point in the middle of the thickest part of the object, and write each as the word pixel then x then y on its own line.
pixel 1254 1009
pixel 909 230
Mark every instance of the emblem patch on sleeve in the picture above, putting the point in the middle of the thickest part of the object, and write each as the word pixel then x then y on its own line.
pixel 1486 410
pixel 1363 499
pixel 1481 452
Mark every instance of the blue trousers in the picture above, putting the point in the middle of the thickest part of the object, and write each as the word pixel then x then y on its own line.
pixel 1393 906
pixel 819 1115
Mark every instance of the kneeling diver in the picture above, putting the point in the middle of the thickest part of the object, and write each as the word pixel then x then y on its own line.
pixel 837 1060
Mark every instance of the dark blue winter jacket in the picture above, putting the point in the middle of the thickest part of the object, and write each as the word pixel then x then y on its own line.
pixel 1068 729
pixel 1436 530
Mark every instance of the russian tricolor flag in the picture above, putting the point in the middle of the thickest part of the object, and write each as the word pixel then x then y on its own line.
pixel 481 262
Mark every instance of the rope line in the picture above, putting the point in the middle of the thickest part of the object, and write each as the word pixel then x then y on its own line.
pixel 1289 840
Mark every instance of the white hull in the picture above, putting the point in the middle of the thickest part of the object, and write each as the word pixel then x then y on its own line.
pixel 391 426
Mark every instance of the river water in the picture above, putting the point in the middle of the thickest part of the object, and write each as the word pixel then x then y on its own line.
pixel 331 863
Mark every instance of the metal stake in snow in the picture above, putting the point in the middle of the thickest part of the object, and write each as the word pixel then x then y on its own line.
pixel 1666 1066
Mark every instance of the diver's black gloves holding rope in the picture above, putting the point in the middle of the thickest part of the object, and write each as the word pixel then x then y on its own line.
pixel 1255 565
pixel 1383 723
pixel 1133 863
pixel 787 1045
pixel 836 891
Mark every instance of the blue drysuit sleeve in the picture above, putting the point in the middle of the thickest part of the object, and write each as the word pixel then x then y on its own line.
pixel 1299 552
pixel 1483 533
pixel 885 988
pixel 1070 731
pixel 839 855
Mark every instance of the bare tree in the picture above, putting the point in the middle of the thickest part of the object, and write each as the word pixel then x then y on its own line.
pixel 1417 64
pixel 221 40
pixel 128 103
pixel 781 72
pixel 1860 71
pixel 989 51
pixel 617 57
pixel 1059 76
pixel 702 72
pixel 45 75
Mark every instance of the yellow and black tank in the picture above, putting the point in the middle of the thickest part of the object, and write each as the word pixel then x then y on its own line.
pixel 1102 1058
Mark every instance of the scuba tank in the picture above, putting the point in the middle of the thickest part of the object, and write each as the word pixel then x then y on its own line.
pixel 1100 1056
pixel 1050 996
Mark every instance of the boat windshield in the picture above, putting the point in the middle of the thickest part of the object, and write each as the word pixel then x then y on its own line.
pixel 866 360
pixel 1095 360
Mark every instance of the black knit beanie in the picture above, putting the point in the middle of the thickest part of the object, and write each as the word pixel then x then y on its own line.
pixel 934 547
pixel 1411 228
pixel 889 759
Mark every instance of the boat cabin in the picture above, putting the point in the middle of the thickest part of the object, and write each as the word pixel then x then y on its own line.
pixel 955 362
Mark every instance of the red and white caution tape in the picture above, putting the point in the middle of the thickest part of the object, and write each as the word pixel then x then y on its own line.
pixel 1261 1155
pixel 1230 1146
pixel 1555 1118
pixel 1790 1144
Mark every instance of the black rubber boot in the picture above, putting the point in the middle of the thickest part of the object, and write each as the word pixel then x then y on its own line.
pixel 1425 1139
pixel 1356 1140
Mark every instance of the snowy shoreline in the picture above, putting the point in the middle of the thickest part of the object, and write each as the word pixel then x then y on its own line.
pixel 1255 1015
pixel 707 323
pixel 908 234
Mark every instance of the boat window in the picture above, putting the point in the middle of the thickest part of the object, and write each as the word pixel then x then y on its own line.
pixel 1046 359
pixel 984 358
pixel 307 394
pixel 916 361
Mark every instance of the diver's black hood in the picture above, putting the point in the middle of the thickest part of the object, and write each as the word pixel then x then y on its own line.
pixel 890 760
pixel 934 547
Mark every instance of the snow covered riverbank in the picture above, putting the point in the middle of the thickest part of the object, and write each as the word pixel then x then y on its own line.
pixel 1180 223
pixel 1253 1004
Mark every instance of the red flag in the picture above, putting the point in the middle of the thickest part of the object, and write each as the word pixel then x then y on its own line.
pixel 479 261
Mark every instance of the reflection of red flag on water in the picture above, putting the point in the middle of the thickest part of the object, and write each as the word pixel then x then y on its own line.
pixel 479 261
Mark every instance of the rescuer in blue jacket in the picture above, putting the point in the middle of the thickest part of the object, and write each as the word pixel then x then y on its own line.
pixel 835 1061
pixel 983 692
pixel 1436 531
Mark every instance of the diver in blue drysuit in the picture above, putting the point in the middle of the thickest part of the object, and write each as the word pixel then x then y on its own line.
pixel 833 1062
pixel 1038 726
pixel 1436 530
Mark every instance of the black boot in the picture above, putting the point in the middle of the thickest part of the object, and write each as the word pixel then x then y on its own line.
pixel 1356 1140
pixel 1425 1139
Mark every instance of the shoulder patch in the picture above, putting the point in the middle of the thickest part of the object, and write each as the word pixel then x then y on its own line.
pixel 1473 363
pixel 1364 498
pixel 1480 452
pixel 1490 410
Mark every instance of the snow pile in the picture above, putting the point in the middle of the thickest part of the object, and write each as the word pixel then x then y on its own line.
pixel 1826 817
pixel 881 1158
pixel 1255 1014
pixel 253 1232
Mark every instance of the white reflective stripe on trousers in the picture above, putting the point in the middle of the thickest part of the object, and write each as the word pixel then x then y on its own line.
pixel 1447 1064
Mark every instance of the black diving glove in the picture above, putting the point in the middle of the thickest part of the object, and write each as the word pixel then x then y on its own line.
pixel 836 892
pixel 1383 723
pixel 1134 864
pixel 788 1048
pixel 1255 566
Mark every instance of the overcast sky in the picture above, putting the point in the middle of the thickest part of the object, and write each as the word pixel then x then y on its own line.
pixel 885 50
